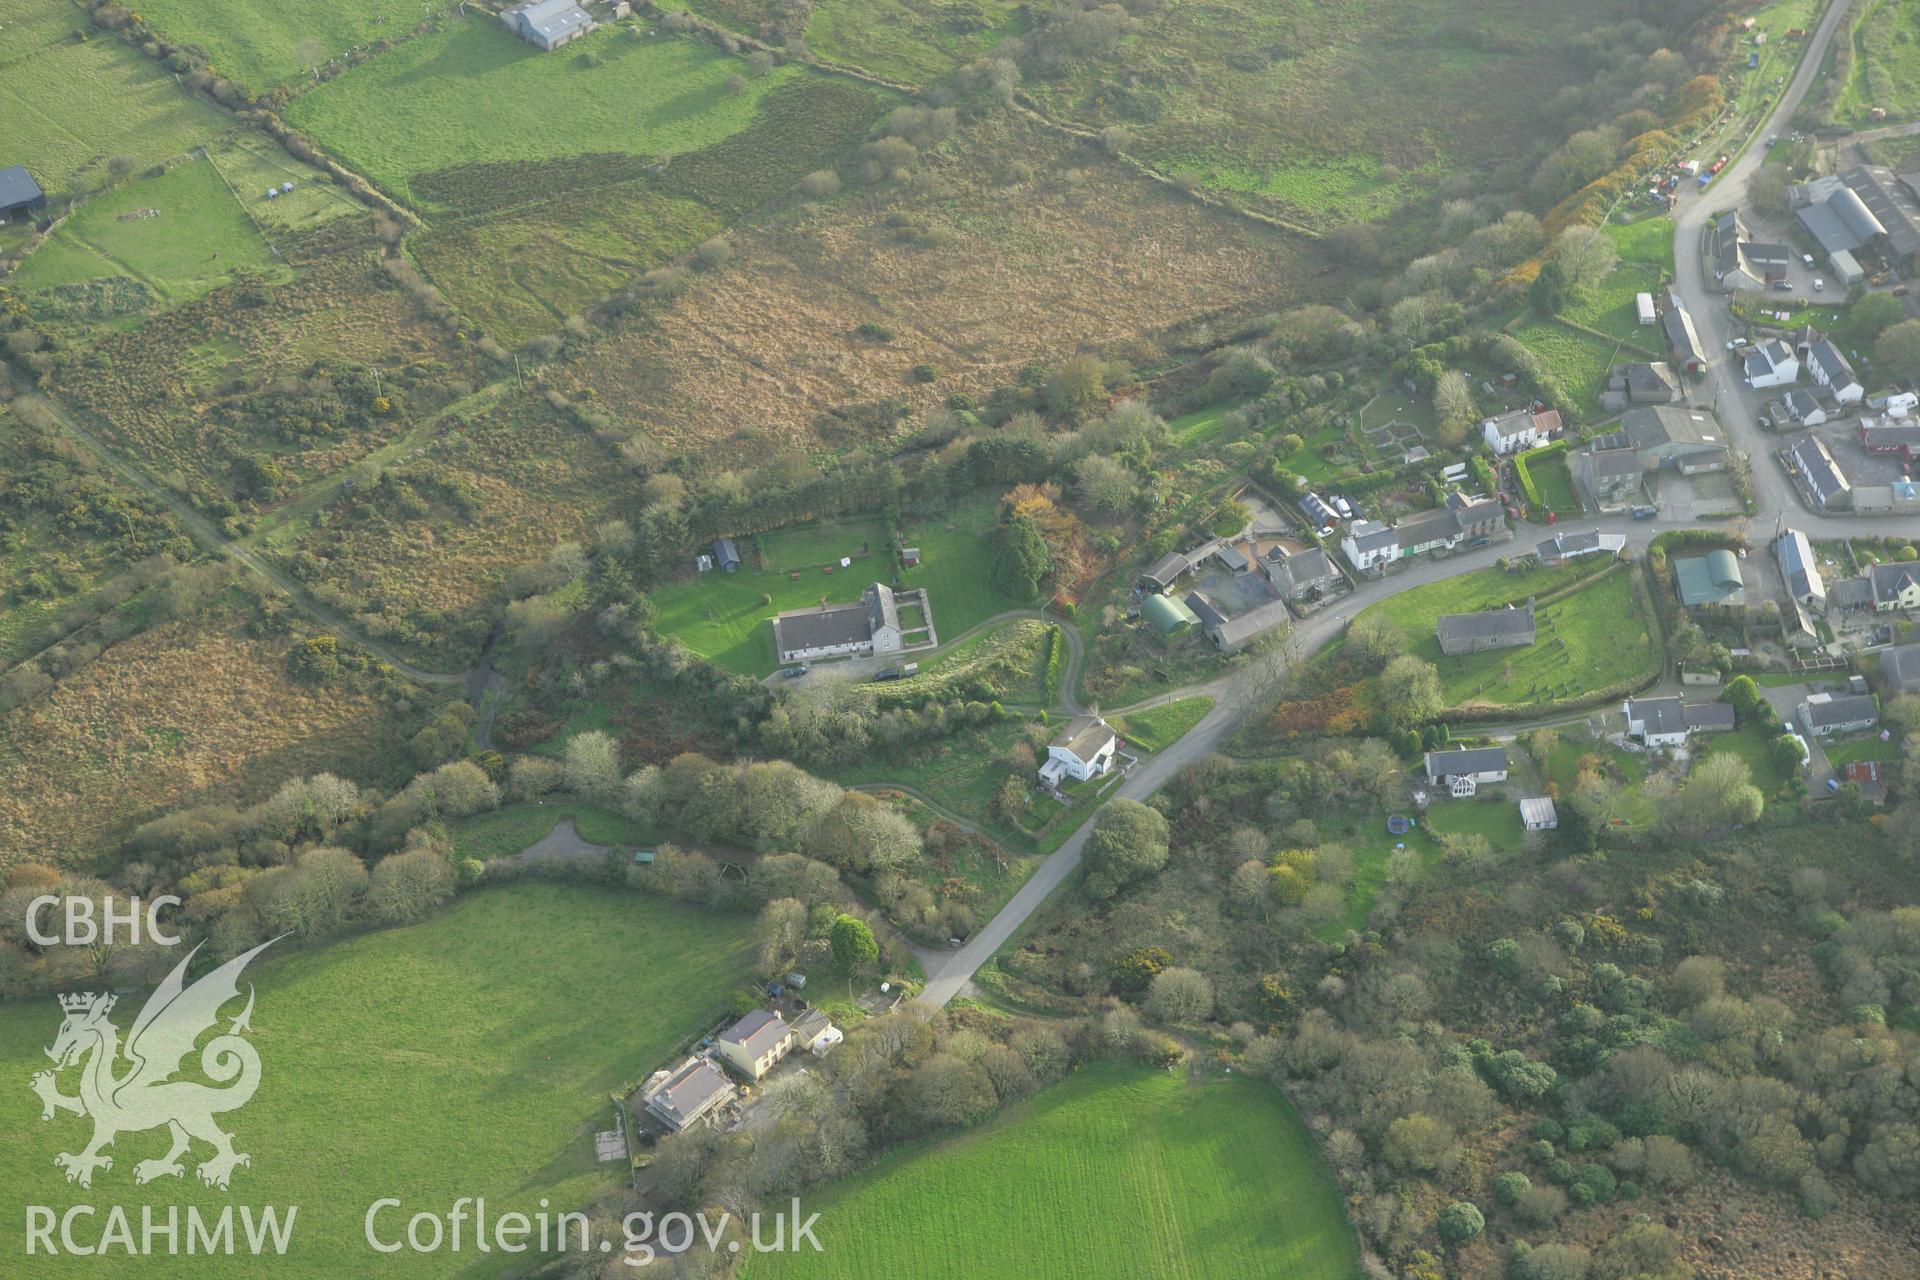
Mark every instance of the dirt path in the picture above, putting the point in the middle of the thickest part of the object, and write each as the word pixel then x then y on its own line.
pixel 203 531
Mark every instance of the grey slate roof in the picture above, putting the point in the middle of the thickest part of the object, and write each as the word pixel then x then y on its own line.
pixel 1310 566
pixel 17 187
pixel 1820 471
pixel 1831 363
pixel 1681 335
pixel 1801 404
pixel 1466 760
pixel 689 1090
pixel 725 553
pixel 1709 715
pixel 824 627
pixel 1658 425
pixel 1242 627
pixel 1661 715
pixel 1427 526
pixel 1085 737
pixel 1851 593
pixel 1797 565
pixel 1166 569
pixel 1890 579
pixel 1826 711
pixel 1204 610
pixel 553 19
pixel 757 1033
pixel 1369 536
pixel 1901 666
pixel 1511 625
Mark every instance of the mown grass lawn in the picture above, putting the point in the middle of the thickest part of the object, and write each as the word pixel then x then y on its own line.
pixel 722 616
pixel 1554 481
pixel 1158 728
pixel 436 102
pixel 1116 1171
pixel 1497 819
pixel 1609 305
pixel 470 1055
pixel 1594 638
pixel 810 546
pixel 1860 750
pixel 182 233
pixel 505 831
pixel 1202 424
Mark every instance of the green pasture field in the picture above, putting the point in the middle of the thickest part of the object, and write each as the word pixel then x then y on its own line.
pixel 1158 728
pixel 1592 639
pixel 1202 424
pixel 1578 361
pixel 182 234
pixel 1117 1171
pixel 911 43
pixel 1608 305
pixel 956 552
pixel 68 106
pixel 265 43
pixel 1498 820
pixel 961 772
pixel 1648 242
pixel 252 165
pixel 435 103
pixel 470 1055
pixel 1884 72
pixel 505 831
pixel 810 546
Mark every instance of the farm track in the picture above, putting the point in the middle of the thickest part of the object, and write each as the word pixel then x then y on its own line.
pixel 205 532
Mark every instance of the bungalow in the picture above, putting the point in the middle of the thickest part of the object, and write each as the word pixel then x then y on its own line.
pixel 1825 714
pixel 1832 371
pixel 1082 751
pixel 1900 668
pixel 1463 770
pixel 1895 586
pixel 1658 722
pixel 1800 568
pixel 1771 364
pixel 1820 476
pixel 868 626
pixel 754 1044
pixel 1507 628
pixel 1537 814
pixel 815 1032
pixel 1562 547
pixel 687 1094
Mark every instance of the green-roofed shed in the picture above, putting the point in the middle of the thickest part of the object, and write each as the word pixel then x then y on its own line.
pixel 1169 617
pixel 1713 578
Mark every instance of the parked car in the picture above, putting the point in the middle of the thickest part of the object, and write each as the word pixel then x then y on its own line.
pixel 1645 513
pixel 1786 286
pixel 796 671
pixel 1807 258
pixel 1818 284
pixel 887 673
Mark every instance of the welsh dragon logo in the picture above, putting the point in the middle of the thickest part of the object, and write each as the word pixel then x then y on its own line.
pixel 144 1094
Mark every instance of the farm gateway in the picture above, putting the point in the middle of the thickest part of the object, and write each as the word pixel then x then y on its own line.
pixel 85 1231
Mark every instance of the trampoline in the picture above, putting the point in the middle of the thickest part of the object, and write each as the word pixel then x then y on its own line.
pixel 1399 824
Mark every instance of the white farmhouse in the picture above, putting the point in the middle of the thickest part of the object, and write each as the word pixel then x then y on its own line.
pixel 1772 364
pixel 1832 370
pixel 1084 749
